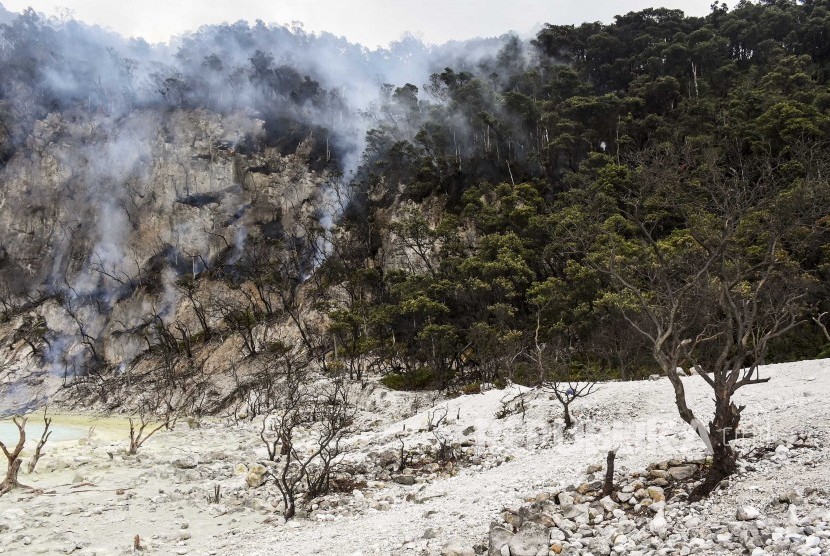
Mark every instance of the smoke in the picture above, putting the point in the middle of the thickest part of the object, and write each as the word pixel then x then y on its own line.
pixel 96 113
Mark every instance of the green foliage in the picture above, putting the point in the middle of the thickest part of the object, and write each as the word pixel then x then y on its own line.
pixel 419 379
pixel 529 176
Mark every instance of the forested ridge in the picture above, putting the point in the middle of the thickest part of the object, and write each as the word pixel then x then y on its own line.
pixel 580 161
pixel 569 205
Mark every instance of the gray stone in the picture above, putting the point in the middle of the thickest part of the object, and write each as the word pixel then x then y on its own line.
pixel 575 510
pixel 499 537
pixel 747 513
pixel 600 546
pixel 682 472
pixel 407 480
pixel 456 547
pixel 608 504
pixel 791 497
pixel 529 541
pixel 186 462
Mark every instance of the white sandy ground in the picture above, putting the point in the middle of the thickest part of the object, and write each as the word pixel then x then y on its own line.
pixel 82 511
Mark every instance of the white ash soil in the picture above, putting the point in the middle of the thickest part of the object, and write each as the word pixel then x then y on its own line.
pixel 94 499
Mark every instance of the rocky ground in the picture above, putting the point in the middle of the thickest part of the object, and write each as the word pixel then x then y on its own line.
pixel 515 484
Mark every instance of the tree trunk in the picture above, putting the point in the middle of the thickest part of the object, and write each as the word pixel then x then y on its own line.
pixel 722 429
pixel 290 507
pixel 11 483
pixel 608 484
pixel 568 422
pixel 13 458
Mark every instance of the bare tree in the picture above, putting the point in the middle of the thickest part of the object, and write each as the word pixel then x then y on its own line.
pixel 13 457
pixel 140 433
pixel 162 412
pixel 556 374
pixel 819 320
pixel 325 413
pixel 44 437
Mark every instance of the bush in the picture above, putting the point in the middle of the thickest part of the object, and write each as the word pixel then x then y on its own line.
pixel 472 388
pixel 420 379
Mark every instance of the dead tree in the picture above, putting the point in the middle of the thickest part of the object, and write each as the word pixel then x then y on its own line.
pixel 13 457
pixel 44 437
pixel 608 483
pixel 150 421
pixel 323 412
pixel 436 417
pixel 554 367
pixel 140 433
pixel 404 457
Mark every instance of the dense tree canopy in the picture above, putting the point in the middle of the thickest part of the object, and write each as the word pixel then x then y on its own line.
pixel 511 162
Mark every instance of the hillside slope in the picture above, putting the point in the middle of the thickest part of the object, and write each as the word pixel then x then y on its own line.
pixel 506 461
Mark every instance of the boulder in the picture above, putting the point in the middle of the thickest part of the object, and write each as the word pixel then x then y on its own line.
pixel 747 513
pixel 608 504
pixel 531 539
pixel 456 547
pixel 256 475
pixel 499 537
pixel 407 480
pixel 659 526
pixel 791 497
pixel 656 493
pixel 682 472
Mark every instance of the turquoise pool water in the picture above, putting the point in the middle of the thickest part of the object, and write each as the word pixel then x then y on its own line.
pixel 34 428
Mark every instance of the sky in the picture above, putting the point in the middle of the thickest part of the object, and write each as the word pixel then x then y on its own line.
pixel 370 22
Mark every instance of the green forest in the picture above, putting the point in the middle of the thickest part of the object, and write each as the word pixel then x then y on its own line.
pixel 575 197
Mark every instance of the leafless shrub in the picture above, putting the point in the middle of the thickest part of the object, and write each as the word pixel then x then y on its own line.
pixel 216 496
pixel 323 412
pixel 153 416
pixel 436 417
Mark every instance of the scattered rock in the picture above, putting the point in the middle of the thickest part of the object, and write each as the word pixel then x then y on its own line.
pixel 529 541
pixel 747 513
pixel 682 473
pixel 256 475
